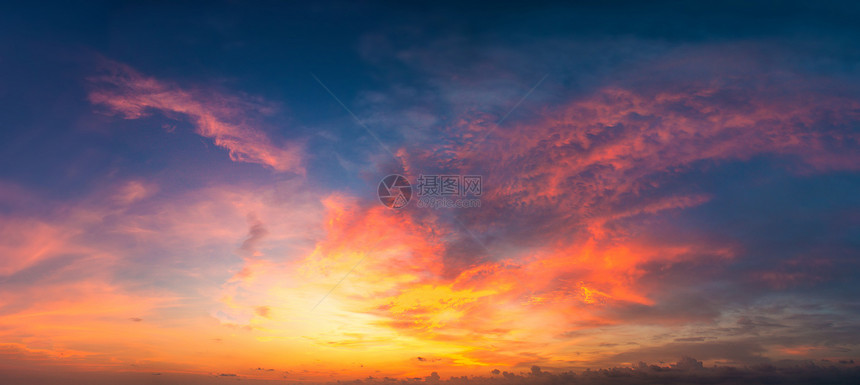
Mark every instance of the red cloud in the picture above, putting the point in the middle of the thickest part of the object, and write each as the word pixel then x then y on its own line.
pixel 571 189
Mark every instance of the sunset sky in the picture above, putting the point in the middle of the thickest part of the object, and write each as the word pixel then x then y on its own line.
pixel 188 191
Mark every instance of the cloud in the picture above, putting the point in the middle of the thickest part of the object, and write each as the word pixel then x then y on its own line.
pixel 738 352
pixel 263 311
pixel 76 273
pixel 134 191
pixel 573 190
pixel 256 233
pixel 686 370
pixel 225 119
pixel 590 189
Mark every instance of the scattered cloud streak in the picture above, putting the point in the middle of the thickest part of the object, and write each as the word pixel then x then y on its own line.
pixel 225 119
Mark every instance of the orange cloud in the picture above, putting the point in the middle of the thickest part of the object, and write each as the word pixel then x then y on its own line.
pixel 377 280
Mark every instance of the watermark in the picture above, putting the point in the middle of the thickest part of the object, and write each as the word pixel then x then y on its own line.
pixel 394 191
pixel 434 191
pixel 448 203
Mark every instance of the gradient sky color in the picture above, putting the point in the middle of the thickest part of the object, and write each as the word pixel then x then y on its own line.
pixel 189 190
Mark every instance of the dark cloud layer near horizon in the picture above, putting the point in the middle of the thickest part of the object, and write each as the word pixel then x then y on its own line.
pixel 686 371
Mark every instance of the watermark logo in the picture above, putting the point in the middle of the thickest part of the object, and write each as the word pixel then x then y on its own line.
pixel 394 191
pixel 450 191
pixel 450 185
pixel 434 191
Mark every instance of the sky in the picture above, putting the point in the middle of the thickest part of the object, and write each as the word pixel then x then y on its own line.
pixel 189 192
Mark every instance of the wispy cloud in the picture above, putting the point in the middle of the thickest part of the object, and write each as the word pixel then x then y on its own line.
pixel 228 120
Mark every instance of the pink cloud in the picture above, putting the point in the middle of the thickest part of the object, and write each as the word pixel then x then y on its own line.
pixel 224 119
pixel 602 158
pixel 76 274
